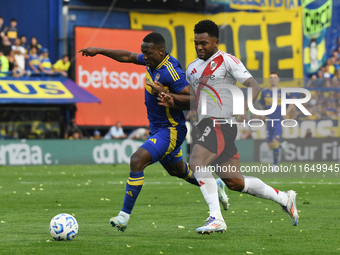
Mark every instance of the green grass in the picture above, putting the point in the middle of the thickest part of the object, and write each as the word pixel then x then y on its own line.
pixel 95 193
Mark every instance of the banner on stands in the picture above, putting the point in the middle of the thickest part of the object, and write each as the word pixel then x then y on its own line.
pixel 263 41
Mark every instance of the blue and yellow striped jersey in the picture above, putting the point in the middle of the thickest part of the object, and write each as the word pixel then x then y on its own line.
pixel 169 73
pixel 267 101
pixel 34 60
pixel 46 63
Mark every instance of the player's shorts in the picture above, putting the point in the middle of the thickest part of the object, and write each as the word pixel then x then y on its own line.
pixel 274 130
pixel 219 139
pixel 165 145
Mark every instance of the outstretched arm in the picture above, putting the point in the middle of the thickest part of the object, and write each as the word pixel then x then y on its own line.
pixel 118 55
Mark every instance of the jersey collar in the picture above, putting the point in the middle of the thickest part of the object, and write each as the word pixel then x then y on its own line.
pixel 164 60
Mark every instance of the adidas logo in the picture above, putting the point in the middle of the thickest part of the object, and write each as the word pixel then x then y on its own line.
pixel 193 71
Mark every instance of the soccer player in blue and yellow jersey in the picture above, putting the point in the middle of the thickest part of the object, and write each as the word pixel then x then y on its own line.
pixel 274 128
pixel 167 125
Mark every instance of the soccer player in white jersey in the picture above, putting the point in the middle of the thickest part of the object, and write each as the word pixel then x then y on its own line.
pixel 216 147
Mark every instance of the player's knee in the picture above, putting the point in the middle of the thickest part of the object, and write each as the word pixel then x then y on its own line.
pixel 236 184
pixel 136 163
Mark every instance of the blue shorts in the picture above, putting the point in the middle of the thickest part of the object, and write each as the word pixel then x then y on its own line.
pixel 165 145
pixel 274 132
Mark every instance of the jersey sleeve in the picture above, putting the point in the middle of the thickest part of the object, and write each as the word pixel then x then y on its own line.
pixel 237 69
pixel 140 59
pixel 177 81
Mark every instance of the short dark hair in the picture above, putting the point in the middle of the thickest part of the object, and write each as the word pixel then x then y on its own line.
pixel 207 26
pixel 274 72
pixel 13 19
pixel 155 38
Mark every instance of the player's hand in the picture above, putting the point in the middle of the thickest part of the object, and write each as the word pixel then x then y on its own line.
pixel 90 51
pixel 157 88
pixel 166 100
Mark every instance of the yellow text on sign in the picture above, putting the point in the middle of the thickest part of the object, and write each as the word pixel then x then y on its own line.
pixel 34 89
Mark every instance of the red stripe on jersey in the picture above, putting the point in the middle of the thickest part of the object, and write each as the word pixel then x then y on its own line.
pixel 207 71
pixel 236 156
pixel 219 139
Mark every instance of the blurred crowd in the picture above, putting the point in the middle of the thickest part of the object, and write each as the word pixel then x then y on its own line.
pixel 328 76
pixel 18 57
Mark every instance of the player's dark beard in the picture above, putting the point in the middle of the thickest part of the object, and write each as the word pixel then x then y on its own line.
pixel 208 55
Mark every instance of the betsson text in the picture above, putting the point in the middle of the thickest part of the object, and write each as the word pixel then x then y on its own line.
pixel 113 80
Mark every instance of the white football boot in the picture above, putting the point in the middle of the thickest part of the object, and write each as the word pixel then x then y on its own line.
pixel 290 208
pixel 222 196
pixel 120 222
pixel 213 225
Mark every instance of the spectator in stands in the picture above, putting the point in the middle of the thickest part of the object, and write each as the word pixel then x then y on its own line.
pixel 312 82
pixel 116 132
pixel 96 134
pixel 45 62
pixel 11 32
pixel 331 109
pixel 34 61
pixel 19 53
pixel 4 64
pixel 13 66
pixel 34 43
pixel 309 133
pixel 337 98
pixel 62 65
pixel 335 54
pixel 314 112
pixel 331 63
pixel 72 130
pixel 321 79
pixel 6 46
pixel 1 24
pixel 140 133
pixel 327 81
pixel 23 43
pixel 336 79
pixel 76 135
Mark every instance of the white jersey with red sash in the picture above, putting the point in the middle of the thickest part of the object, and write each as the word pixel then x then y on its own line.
pixel 207 79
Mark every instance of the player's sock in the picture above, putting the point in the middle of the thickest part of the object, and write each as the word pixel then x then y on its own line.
pixel 254 186
pixel 188 176
pixel 133 187
pixel 276 151
pixel 208 188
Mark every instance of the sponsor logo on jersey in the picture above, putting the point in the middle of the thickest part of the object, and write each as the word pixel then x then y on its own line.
pixel 193 71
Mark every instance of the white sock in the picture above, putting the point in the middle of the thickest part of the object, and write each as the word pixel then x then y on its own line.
pixel 126 215
pixel 254 186
pixel 208 188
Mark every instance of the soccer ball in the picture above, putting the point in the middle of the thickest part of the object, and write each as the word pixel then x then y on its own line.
pixel 63 227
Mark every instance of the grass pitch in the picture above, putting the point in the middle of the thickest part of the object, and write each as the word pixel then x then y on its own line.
pixel 165 216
